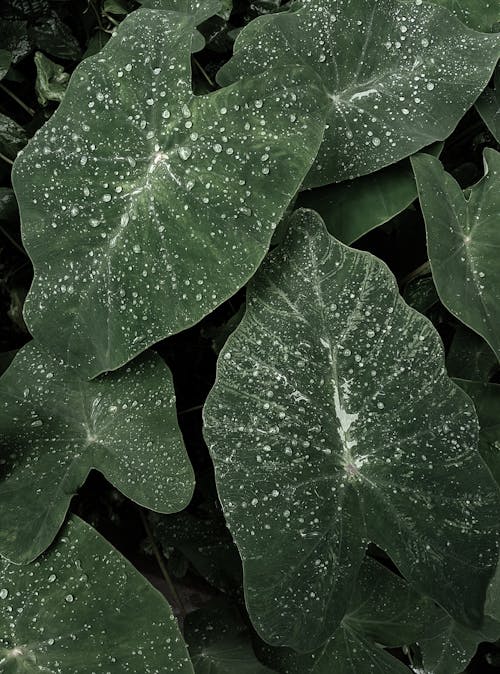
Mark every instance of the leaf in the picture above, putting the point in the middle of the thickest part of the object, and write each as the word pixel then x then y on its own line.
pixel 448 647
pixel 56 427
pixel 50 34
pixel 486 399
pixel 8 205
pixel 398 75
pixel 14 37
pixel 488 106
pixel 332 423
pixel 51 79
pixel 83 608
pixel 200 10
pixel 420 293
pixel 383 610
pixel 478 14
pixel 205 543
pixel 130 241
pixel 354 207
pixel 462 241
pixel 469 357
pixel 5 61
pixel 219 643
pixel 12 136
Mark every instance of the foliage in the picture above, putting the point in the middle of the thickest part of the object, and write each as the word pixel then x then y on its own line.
pixel 250 336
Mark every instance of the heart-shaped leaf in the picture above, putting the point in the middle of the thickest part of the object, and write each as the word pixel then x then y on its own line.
pixel 331 423
pixel 56 426
pixel 398 75
pixel 162 204
pixel 488 106
pixel 463 239
pixel 83 608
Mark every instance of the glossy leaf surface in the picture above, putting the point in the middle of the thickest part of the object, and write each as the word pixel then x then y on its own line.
pixel 463 239
pixel 398 75
pixel 55 427
pixel 331 423
pixel 83 608
pixel 162 204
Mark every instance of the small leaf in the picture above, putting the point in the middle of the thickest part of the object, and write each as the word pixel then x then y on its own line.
pixel 200 10
pixel 331 423
pixel 12 137
pixel 49 34
pixel 488 106
pixel 83 608
pixel 130 240
pixel 115 7
pixel 8 205
pixel 462 240
pixel 5 61
pixel 470 357
pixel 399 75
pixel 56 427
pixel 51 79
pixel 352 208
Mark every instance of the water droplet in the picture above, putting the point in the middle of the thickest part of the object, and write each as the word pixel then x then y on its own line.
pixel 184 152
pixel 3 593
pixel 69 598
pixel 430 86
pixel 376 141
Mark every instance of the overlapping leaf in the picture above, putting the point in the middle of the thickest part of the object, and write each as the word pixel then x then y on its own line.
pixel 463 239
pixel 144 207
pixel 488 106
pixel 83 608
pixel 56 426
pixel 355 207
pixel 383 611
pixel 331 423
pixel 398 75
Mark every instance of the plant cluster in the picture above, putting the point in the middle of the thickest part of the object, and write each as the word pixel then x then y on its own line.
pixel 250 292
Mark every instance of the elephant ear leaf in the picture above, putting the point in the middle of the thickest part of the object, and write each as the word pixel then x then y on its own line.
pixel 463 238
pixel 332 423
pixel 488 106
pixel 162 204
pixel 398 75
pixel 56 426
pixel 93 612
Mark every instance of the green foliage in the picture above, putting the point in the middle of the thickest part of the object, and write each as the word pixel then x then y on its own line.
pixel 307 465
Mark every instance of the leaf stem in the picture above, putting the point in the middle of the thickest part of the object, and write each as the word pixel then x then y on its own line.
pixel 6 159
pixel 203 72
pixel 23 105
pixel 159 559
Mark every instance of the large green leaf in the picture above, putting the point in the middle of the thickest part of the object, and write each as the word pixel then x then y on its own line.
pixel 488 106
pixel 331 423
pixel 383 611
pixel 399 75
pixel 160 204
pixel 352 208
pixel 83 608
pixel 478 14
pixel 463 239
pixel 55 427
